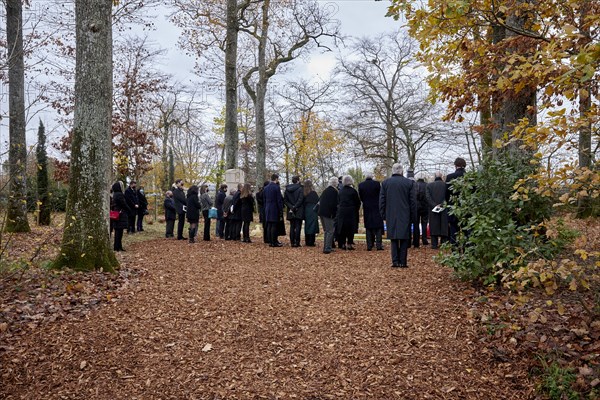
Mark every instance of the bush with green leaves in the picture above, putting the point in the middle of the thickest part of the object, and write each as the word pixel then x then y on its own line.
pixel 499 231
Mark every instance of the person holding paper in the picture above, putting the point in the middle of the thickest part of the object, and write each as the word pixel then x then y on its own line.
pixel 438 215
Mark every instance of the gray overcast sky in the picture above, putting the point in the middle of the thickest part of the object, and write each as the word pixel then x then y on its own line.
pixel 357 18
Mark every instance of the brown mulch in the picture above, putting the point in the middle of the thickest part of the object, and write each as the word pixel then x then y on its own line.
pixel 223 320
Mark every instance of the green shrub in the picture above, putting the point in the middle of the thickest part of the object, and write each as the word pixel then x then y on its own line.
pixel 498 232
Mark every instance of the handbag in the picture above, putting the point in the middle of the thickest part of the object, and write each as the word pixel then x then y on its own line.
pixel 212 213
pixel 114 215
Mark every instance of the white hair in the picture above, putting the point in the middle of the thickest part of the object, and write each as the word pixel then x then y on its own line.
pixel 397 169
pixel 369 175
pixel 438 174
pixel 347 180
pixel 333 181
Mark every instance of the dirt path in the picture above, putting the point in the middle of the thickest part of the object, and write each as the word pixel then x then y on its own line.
pixel 224 320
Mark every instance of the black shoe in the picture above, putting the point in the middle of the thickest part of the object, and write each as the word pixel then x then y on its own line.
pixel 326 251
pixel 434 248
pixel 343 247
pixel 403 266
pixel 182 238
pixel 369 249
pixel 380 248
pixel 425 243
pixel 276 245
pixel 350 247
pixel 394 265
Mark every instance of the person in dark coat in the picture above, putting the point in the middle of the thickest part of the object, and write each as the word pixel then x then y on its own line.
pixel 328 203
pixel 142 210
pixel 180 206
pixel 247 211
pixel 220 198
pixel 420 225
pixel 206 203
pixel 369 195
pixel 261 210
pixel 170 214
pixel 454 224
pixel 193 211
pixel 120 205
pixel 438 221
pixel 311 217
pixel 133 202
pixel 235 218
pixel 293 198
pixel 347 214
pixel 397 205
pixel 227 214
pixel 273 209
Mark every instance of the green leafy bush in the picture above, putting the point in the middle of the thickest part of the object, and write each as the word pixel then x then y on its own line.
pixel 499 231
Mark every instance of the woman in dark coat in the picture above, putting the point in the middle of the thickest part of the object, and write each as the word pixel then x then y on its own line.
pixel 120 205
pixel 193 212
pixel 235 218
pixel 248 208
pixel 311 218
pixel 347 216
pixel 438 222
pixel 207 204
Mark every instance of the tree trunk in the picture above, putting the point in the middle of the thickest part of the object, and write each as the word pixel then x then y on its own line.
pixel 164 156
pixel 42 178
pixel 86 243
pixel 261 90
pixel 231 129
pixel 17 157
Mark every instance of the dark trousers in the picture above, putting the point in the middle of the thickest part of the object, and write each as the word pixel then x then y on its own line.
pixel 265 236
pixel 434 240
pixel 295 231
pixel 118 240
pixel 310 239
pixel 345 237
pixel 140 221
pixel 180 224
pixel 421 223
pixel 246 230
pixel 400 251
pixel 206 225
pixel 236 228
pixel 227 228
pixel 374 237
pixel 131 223
pixel 170 228
pixel 219 228
pixel 272 233
pixel 453 228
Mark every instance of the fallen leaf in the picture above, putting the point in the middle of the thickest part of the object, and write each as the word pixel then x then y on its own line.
pixel 207 347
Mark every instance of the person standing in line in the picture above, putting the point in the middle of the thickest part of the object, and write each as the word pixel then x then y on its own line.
pixel 247 211
pixel 328 203
pixel 235 218
pixel 368 191
pixel 438 221
pixel 133 202
pixel 398 209
pixel 273 209
pixel 420 225
pixel 227 222
pixel 170 214
pixel 220 198
pixel 193 210
pixel 261 210
pixel 206 203
pixel 180 206
pixel 120 205
pixel 347 213
pixel 293 198
pixel 311 217
pixel 454 224
pixel 142 210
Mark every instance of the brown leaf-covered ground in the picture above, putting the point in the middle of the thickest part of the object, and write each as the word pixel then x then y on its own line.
pixel 225 320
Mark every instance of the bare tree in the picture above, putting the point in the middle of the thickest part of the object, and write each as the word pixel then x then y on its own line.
pixel 17 158
pixel 389 102
pixel 85 244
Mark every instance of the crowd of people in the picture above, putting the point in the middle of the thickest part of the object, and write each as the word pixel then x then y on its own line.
pixel 407 210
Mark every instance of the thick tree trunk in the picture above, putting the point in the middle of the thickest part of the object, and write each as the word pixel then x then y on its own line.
pixel 261 90
pixel 17 157
pixel 164 156
pixel 86 244
pixel 231 129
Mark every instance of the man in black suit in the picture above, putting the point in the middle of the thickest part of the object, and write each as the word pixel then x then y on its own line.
pixel 460 164
pixel 133 202
pixel 369 190
pixel 398 208
pixel 180 206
